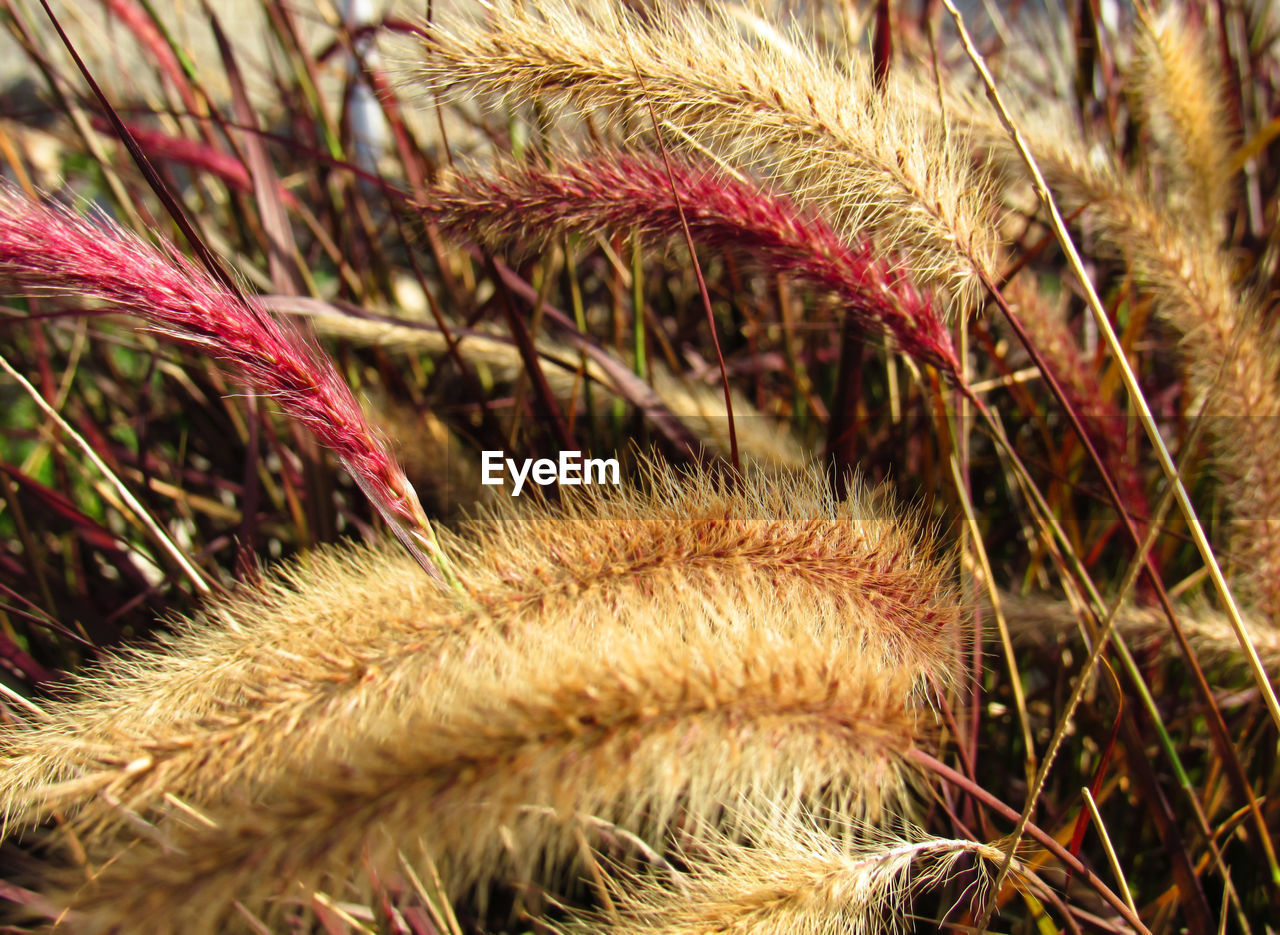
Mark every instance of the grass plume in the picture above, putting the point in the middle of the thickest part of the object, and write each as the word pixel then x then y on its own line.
pixel 694 532
pixel 832 143
pixel 612 192
pixel 48 248
pixel 1232 366
pixel 1183 103
pixel 153 717
pixel 318 656
pixel 1042 620
pixel 706 700
pixel 672 710
pixel 791 878
pixel 1230 352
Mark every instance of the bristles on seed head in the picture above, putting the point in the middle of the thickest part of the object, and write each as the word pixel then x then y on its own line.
pixel 44 247
pixel 1042 620
pixel 694 532
pixel 672 712
pixel 795 877
pixel 863 161
pixel 1181 96
pixel 310 664
pixel 173 718
pixel 611 191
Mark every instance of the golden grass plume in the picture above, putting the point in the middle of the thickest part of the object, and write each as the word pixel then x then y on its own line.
pixel 869 165
pixel 793 878
pixel 1040 619
pixel 1232 356
pixel 320 654
pixel 1232 362
pixel 1181 98
pixel 677 708
pixel 695 531
pixel 305 625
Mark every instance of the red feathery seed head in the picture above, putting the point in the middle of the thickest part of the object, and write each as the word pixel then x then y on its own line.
pixel 620 192
pixel 43 247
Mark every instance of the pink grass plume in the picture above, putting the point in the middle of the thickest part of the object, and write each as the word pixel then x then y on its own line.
pixel 611 191
pixel 49 248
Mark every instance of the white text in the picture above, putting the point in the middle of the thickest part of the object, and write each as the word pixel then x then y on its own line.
pixel 571 470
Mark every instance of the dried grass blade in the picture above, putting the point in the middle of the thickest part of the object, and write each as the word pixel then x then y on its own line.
pixel 287 275
pixel 1193 896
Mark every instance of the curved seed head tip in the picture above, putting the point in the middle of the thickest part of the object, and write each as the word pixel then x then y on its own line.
pixel 48 248
pixel 819 129
pixel 793 874
pixel 617 191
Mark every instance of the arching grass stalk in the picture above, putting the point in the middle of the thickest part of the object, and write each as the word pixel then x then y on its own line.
pixel 618 192
pixel 1126 371
pixel 49 249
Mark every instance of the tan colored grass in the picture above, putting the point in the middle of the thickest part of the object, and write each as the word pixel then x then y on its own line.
pixel 794 878
pixel 762 439
pixel 317 657
pixel 1233 372
pixel 492 351
pixel 869 166
pixel 308 624
pixel 1181 97
pixel 1232 356
pixel 673 710
pixel 695 532
pixel 1042 620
